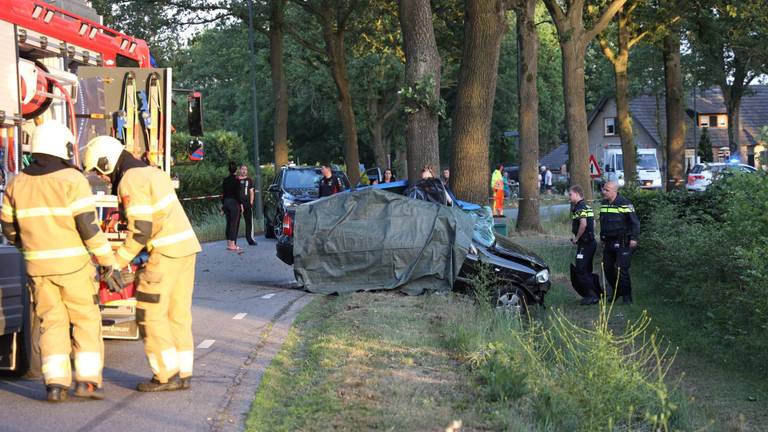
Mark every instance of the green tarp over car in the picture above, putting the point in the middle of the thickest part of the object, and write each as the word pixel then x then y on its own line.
pixel 377 240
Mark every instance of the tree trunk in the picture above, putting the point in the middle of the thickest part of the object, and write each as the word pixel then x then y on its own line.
pixel 732 101
pixel 575 114
pixel 376 128
pixel 620 66
pixel 484 26
pixel 334 46
pixel 422 61
pixel 279 84
pixel 528 98
pixel 675 108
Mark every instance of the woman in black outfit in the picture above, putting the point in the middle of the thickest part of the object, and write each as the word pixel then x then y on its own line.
pixel 230 200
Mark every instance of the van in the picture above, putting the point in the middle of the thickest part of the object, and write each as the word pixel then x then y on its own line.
pixel 648 173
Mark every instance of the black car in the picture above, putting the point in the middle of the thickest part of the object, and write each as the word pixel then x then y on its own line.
pixel 522 277
pixel 293 185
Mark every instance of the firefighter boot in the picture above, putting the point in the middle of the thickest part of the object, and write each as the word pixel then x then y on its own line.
pixel 56 393
pixel 174 383
pixel 89 391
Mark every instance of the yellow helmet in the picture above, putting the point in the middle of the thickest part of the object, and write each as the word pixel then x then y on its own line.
pixel 53 139
pixel 102 154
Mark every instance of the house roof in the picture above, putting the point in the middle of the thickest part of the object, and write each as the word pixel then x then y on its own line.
pixel 556 158
pixel 649 113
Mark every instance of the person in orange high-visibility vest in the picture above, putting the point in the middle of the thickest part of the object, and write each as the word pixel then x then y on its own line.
pixel 48 212
pixel 157 222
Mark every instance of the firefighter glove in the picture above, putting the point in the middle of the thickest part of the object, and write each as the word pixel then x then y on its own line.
pixel 111 276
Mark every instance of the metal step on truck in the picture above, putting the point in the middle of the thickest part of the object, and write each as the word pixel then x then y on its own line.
pixel 59 63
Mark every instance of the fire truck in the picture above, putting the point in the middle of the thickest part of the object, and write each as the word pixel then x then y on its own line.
pixel 59 63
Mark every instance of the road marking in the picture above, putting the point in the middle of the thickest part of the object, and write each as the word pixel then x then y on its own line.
pixel 268 296
pixel 206 343
pixel 240 316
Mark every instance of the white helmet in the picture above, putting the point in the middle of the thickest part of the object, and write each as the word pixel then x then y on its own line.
pixel 53 139
pixel 102 154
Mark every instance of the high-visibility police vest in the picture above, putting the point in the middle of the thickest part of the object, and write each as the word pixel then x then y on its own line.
pixel 618 219
pixel 48 210
pixel 155 216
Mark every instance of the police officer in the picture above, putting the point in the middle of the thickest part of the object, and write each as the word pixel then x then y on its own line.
pixel 48 212
pixel 583 229
pixel 156 221
pixel 619 228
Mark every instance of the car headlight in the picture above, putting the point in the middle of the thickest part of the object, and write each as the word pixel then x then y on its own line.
pixel 542 276
pixel 288 203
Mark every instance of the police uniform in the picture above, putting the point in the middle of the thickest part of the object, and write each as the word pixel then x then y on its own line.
pixel 619 225
pixel 48 211
pixel 157 221
pixel 583 280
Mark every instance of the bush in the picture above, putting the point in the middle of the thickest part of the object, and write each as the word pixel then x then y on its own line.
pixel 708 251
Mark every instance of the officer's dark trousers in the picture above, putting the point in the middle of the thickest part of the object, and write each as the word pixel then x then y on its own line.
pixel 617 257
pixel 248 216
pixel 585 252
pixel 232 213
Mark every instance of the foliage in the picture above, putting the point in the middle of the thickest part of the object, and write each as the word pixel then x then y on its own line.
pixel 705 146
pixel 719 237
pixel 422 97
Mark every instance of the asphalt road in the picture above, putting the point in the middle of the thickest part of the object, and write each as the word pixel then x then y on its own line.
pixel 232 352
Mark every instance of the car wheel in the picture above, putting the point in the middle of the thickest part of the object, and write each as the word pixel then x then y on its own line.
pixel 269 229
pixel 512 300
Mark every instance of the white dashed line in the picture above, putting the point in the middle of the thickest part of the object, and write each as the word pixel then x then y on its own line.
pixel 240 316
pixel 268 296
pixel 206 343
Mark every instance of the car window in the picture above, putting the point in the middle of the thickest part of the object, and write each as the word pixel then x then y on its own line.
pixel 716 168
pixel 747 169
pixel 301 179
pixel 697 169
pixel 647 161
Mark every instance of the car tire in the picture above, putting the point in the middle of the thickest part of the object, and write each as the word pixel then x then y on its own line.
pixel 269 229
pixel 512 300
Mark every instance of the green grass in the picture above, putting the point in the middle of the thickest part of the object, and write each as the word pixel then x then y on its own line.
pixel 725 395
pixel 367 361
pixel 209 224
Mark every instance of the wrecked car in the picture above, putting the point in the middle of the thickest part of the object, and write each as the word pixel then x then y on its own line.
pixel 413 239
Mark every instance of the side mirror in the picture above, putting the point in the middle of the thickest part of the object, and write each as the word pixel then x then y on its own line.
pixel 272 188
pixel 607 168
pixel 195 114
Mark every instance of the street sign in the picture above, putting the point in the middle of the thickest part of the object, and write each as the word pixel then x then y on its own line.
pixel 594 168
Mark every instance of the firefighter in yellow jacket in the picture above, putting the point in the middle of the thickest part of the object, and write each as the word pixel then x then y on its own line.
pixel 48 212
pixel 156 221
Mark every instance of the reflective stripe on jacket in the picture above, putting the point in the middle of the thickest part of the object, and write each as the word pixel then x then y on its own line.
pixel 52 218
pixel 618 219
pixel 156 219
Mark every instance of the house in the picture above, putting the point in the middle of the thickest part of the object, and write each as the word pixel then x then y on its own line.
pixel 706 110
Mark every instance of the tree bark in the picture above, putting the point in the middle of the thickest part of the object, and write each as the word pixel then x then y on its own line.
pixel 574 39
pixel 484 26
pixel 422 61
pixel 675 108
pixel 376 122
pixel 528 98
pixel 337 60
pixel 279 84
pixel 732 98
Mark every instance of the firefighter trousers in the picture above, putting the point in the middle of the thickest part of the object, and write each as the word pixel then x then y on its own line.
pixel 164 314
pixel 61 301
pixel 617 257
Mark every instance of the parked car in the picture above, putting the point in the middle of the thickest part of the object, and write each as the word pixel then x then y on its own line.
pixel 293 185
pixel 522 275
pixel 702 175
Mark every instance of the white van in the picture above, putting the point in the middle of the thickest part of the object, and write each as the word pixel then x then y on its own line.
pixel 648 173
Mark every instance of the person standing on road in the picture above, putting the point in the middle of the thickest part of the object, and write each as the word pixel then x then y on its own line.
pixel 157 222
pixel 583 229
pixel 330 184
pixel 230 205
pixel 619 228
pixel 247 188
pixel 497 184
pixel 48 212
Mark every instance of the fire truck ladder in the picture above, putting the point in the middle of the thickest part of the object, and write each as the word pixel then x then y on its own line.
pixel 127 117
pixel 155 123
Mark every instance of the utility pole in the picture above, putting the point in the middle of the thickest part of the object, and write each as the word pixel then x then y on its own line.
pixel 257 160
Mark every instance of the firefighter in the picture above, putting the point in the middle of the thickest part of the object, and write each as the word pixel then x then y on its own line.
pixel 157 222
pixel 619 228
pixel 48 212
pixel 583 229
